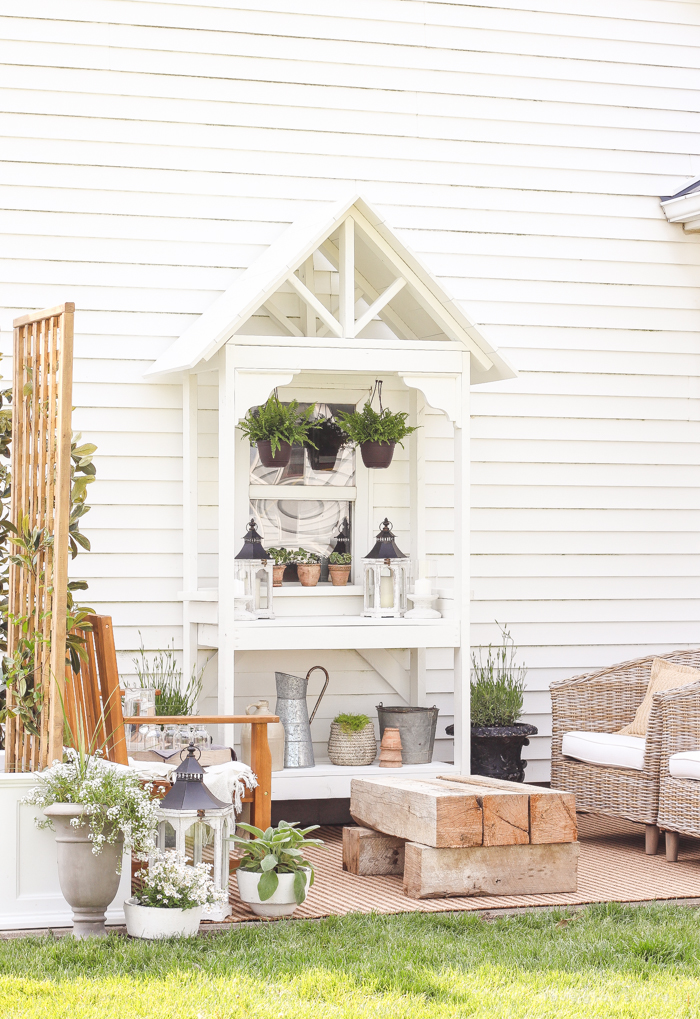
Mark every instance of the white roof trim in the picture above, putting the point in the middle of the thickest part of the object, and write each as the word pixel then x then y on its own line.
pixel 262 279
pixel 685 210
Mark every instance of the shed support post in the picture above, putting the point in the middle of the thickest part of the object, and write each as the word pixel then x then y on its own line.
pixel 227 537
pixel 462 579
pixel 416 457
pixel 190 521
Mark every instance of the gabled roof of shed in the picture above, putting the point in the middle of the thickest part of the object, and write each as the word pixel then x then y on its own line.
pixel 423 304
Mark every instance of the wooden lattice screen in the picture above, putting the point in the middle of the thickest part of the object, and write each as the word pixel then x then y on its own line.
pixel 40 458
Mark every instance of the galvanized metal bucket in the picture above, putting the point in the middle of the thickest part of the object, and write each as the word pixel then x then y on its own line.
pixel 417 729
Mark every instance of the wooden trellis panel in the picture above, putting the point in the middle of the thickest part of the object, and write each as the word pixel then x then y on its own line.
pixel 40 457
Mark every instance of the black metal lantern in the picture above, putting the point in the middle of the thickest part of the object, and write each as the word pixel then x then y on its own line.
pixel 189 791
pixel 385 546
pixel 343 541
pixel 252 545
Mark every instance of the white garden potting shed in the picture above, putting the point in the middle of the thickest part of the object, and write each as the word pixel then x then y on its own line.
pixel 335 303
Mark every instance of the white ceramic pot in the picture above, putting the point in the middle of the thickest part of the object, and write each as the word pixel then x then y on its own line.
pixel 282 903
pixel 88 882
pixel 153 923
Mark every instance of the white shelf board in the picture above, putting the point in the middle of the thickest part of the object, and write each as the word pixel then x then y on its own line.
pixel 329 781
pixel 333 633
pixel 295 590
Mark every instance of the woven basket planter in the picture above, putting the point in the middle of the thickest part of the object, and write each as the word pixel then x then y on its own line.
pixel 352 748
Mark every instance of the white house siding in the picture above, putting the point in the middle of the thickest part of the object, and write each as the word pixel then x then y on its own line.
pixel 151 150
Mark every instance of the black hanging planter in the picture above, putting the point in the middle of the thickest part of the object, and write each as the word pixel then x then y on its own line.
pixel 328 438
pixel 377 455
pixel 281 456
pixel 496 749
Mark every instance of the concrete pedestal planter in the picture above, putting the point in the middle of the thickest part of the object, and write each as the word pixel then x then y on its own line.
pixel 88 882
pixel 281 903
pixel 152 923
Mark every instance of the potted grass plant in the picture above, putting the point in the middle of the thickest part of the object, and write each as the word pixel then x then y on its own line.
pixel 376 433
pixel 172 896
pixel 352 740
pixel 275 427
pixel 273 876
pixel 497 737
pixel 339 568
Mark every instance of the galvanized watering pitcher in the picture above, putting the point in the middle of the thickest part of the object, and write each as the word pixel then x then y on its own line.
pixel 294 716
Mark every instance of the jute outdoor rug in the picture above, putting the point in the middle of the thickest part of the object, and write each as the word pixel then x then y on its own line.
pixel 612 868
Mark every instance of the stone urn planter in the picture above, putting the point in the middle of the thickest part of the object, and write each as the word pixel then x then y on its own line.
pixel 152 924
pixel 282 902
pixel 308 574
pixel 496 750
pixel 89 883
pixel 281 456
pixel 377 455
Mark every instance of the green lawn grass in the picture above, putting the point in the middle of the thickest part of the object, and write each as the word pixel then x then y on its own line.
pixel 605 961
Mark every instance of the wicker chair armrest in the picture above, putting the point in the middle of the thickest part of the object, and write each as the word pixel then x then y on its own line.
pixel 601 701
pixel 674 722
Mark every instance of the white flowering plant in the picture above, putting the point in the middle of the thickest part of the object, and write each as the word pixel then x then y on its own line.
pixel 172 883
pixel 113 799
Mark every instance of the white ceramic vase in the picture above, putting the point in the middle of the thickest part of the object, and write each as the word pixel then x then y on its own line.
pixel 88 882
pixel 282 903
pixel 152 923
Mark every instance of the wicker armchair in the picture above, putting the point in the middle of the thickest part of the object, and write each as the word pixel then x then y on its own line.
pixel 679 798
pixel 605 701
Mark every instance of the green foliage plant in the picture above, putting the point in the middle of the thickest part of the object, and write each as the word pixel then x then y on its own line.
pixel 368 425
pixel 340 559
pixel 281 556
pixel 349 723
pixel 302 557
pixel 278 422
pixel 162 674
pixel 276 851
pixel 497 684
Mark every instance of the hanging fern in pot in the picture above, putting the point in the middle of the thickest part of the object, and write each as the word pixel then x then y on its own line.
pixel 376 432
pixel 275 427
pixel 326 439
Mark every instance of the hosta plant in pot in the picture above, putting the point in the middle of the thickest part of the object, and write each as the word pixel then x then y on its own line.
pixel 171 899
pixel 274 876
pixel 275 427
pixel 352 741
pixel 376 433
pixel 339 568
pixel 497 737
pixel 99 811
pixel 308 567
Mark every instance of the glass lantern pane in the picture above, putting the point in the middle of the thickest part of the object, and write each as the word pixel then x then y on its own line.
pixel 199 843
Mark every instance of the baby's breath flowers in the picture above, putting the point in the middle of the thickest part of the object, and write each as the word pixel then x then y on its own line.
pixel 171 883
pixel 113 799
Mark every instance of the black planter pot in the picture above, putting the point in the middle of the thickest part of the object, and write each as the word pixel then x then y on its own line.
pixel 495 750
pixel 377 454
pixel 281 456
pixel 328 441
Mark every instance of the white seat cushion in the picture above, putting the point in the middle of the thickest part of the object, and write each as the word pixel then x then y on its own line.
pixel 607 748
pixel 685 765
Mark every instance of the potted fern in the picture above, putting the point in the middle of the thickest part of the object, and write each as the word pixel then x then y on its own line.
pixel 497 738
pixel 376 433
pixel 339 568
pixel 275 427
pixel 352 741
pixel 273 876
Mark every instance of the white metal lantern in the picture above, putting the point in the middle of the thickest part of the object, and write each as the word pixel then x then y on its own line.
pixel 385 577
pixel 191 819
pixel 253 579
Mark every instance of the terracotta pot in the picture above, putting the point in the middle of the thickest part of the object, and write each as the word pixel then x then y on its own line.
pixel 281 457
pixel 308 575
pixel 277 574
pixel 377 454
pixel 339 575
pixel 88 882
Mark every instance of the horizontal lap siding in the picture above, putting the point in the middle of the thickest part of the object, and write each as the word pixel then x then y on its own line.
pixel 152 150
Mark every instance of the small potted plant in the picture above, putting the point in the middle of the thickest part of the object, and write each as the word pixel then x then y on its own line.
pixel 282 559
pixel 326 439
pixel 497 738
pixel 352 741
pixel 308 567
pixel 273 876
pixel 275 427
pixel 339 568
pixel 171 899
pixel 376 433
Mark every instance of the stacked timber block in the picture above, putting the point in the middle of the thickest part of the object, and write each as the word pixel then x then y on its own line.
pixel 463 836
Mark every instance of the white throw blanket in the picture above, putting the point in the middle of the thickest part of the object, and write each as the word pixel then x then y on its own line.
pixel 228 782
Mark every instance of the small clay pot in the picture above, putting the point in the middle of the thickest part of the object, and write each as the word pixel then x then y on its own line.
pixel 339 574
pixel 377 454
pixel 277 574
pixel 308 575
pixel 281 457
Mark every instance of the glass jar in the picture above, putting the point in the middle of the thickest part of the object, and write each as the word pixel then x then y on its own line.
pixel 201 738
